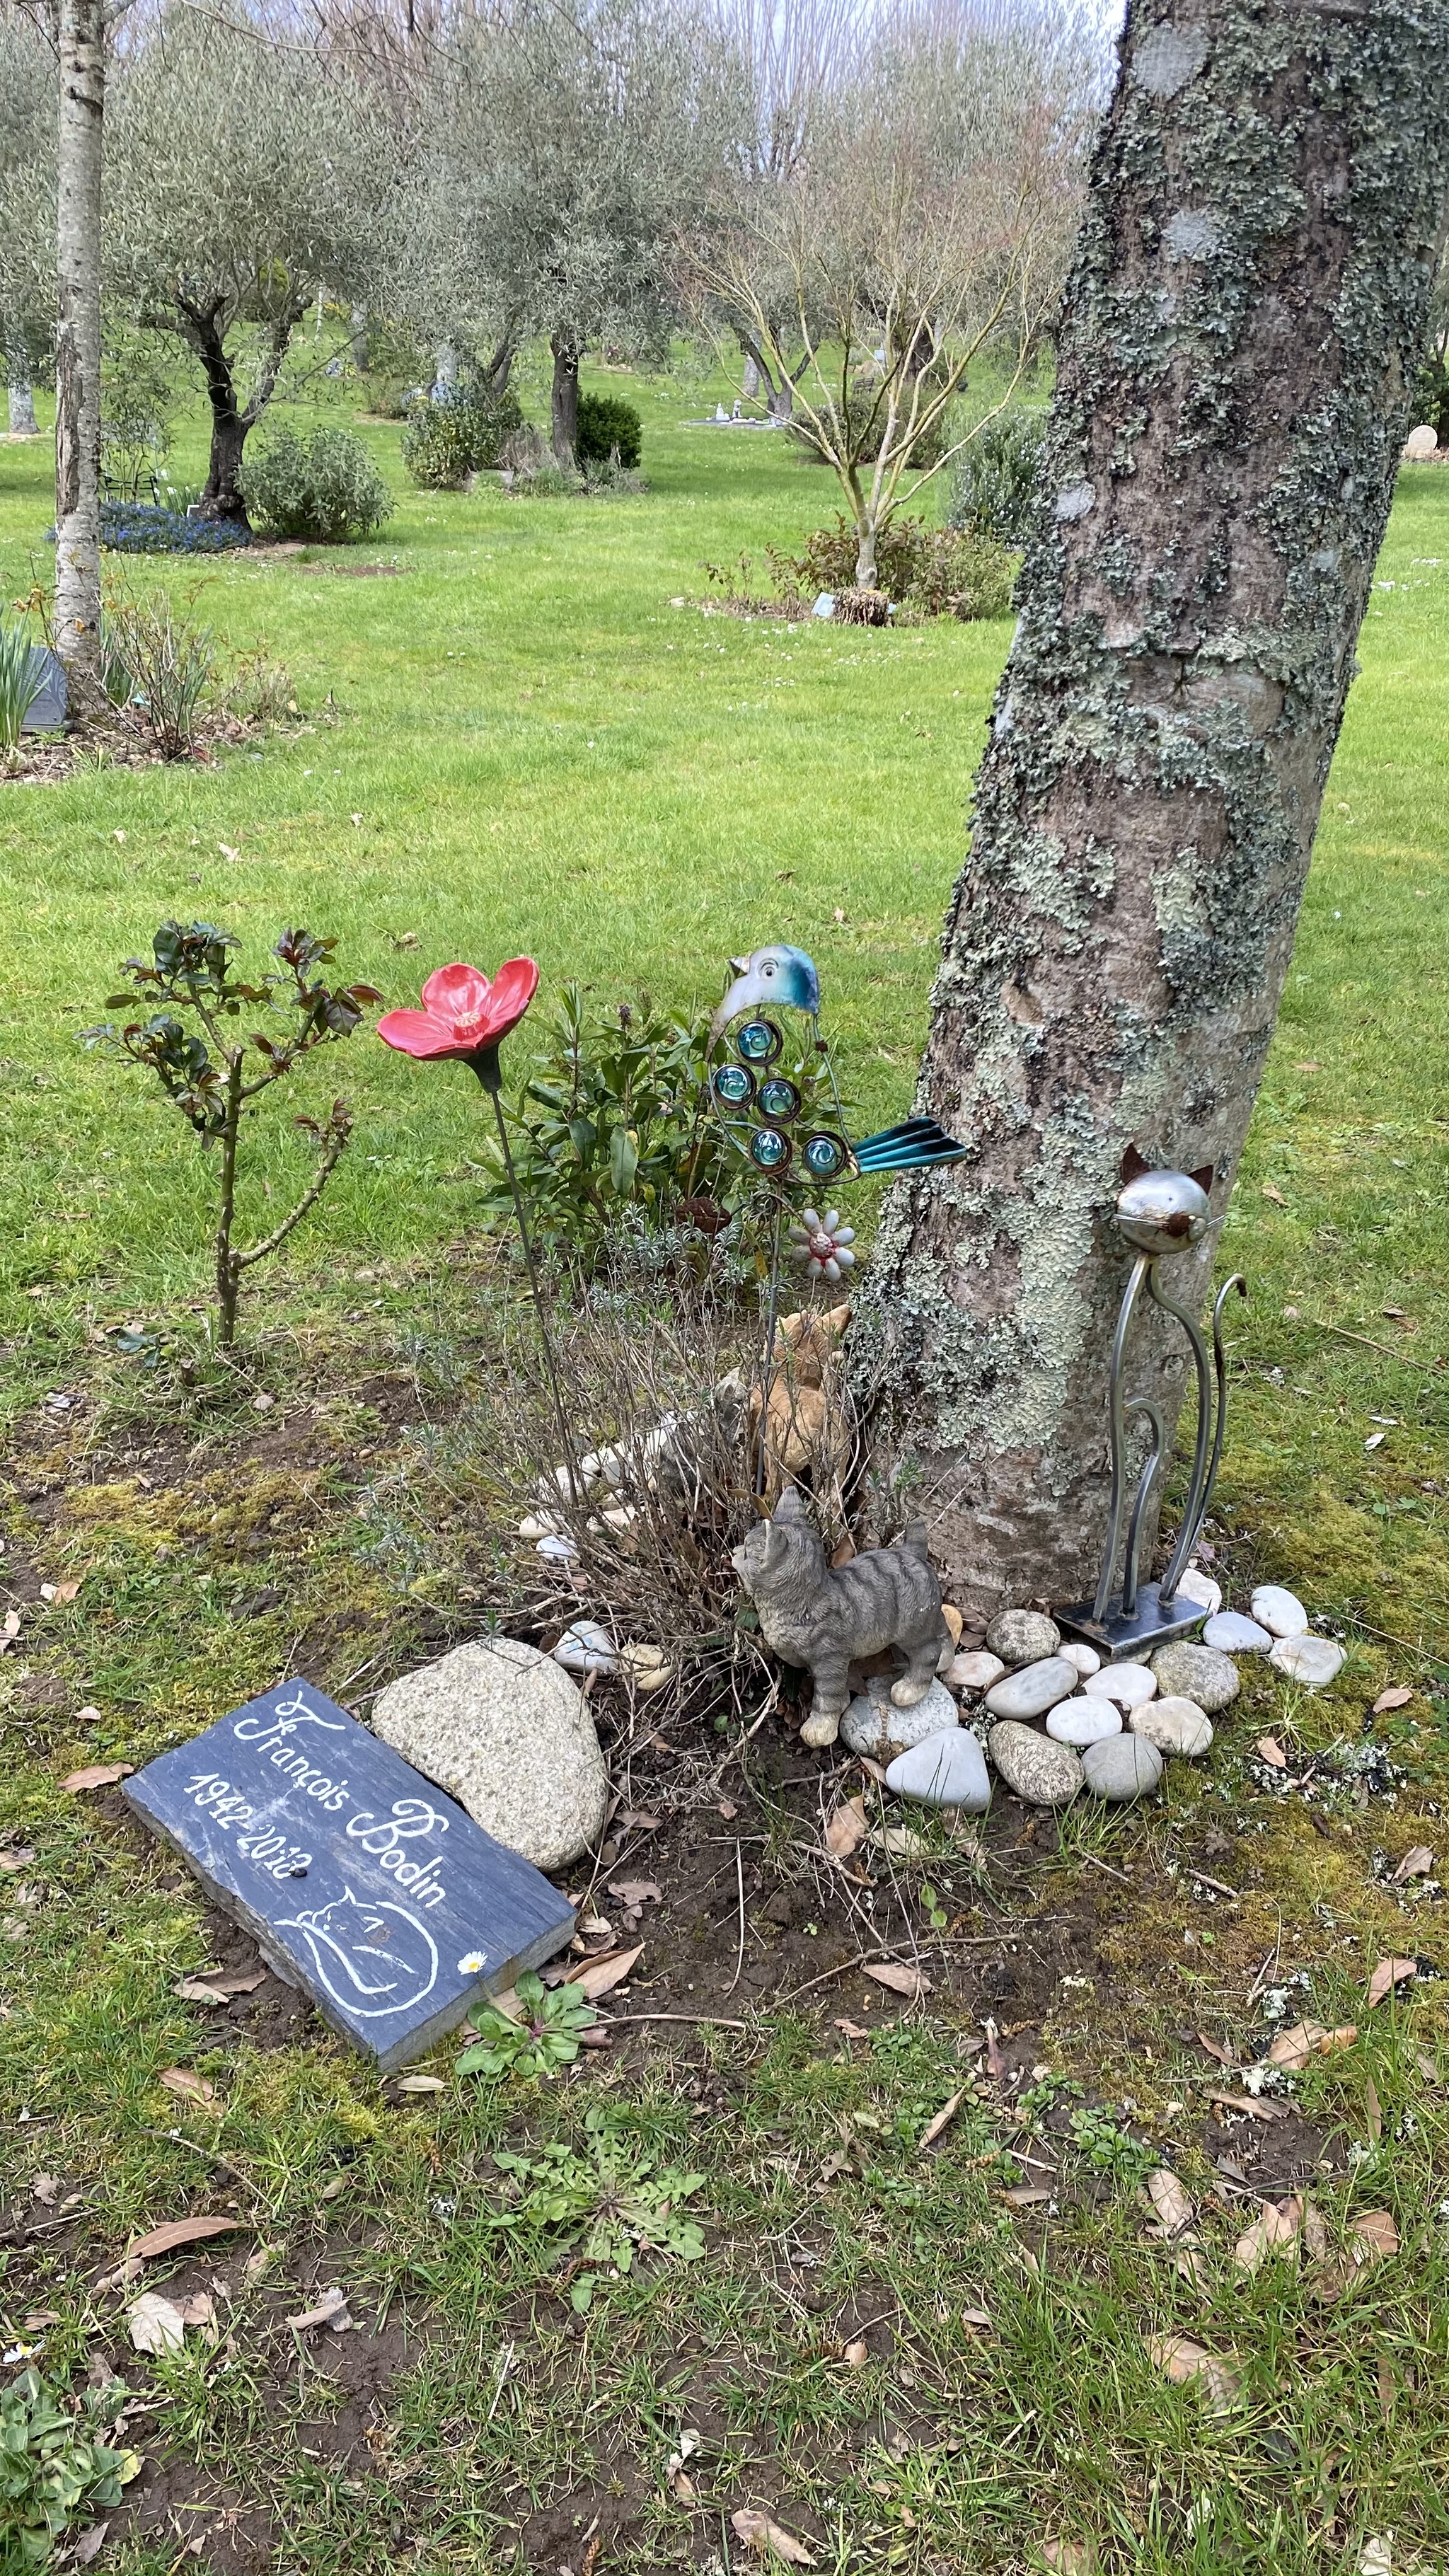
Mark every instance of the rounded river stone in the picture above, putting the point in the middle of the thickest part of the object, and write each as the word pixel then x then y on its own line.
pixel 1174 1726
pixel 1023 1636
pixel 1200 1588
pixel 947 1770
pixel 1035 1689
pixel 1083 1721
pixel 1232 1634
pixel 1275 1607
pixel 1314 1661
pixel 1086 1658
pixel 1124 1766
pixel 973 1672
pixel 1129 1685
pixel 1045 1774
pixel 1198 1673
pixel 873 1724
pixel 506 1733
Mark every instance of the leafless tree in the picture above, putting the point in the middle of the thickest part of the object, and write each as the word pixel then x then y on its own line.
pixel 929 214
pixel 27 208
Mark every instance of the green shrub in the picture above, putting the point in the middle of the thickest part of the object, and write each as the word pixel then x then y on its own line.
pixel 608 427
pixel 994 487
pixel 464 432
pixel 55 2467
pixel 927 572
pixel 326 487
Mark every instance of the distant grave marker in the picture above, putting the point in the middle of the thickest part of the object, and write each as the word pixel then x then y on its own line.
pixel 359 1880
pixel 46 713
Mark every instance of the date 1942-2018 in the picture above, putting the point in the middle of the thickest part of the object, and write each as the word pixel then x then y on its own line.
pixel 268 1850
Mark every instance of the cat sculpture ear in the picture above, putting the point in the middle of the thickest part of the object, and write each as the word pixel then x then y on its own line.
pixel 1204 1176
pixel 1132 1166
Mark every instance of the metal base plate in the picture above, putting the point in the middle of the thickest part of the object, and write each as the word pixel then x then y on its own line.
pixel 1120 1639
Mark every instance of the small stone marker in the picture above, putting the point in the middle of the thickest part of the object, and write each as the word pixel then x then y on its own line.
pixel 360 1881
pixel 46 713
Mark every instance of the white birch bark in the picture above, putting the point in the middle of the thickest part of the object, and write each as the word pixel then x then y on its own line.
pixel 81 49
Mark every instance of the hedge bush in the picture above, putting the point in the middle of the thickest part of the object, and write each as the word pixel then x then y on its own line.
pixel 326 488
pixel 464 432
pixel 994 487
pixel 608 427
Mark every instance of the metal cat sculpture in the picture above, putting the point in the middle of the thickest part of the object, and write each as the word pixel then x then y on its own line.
pixel 767 1115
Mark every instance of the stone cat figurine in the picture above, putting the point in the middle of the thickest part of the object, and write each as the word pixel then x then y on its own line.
pixel 828 1618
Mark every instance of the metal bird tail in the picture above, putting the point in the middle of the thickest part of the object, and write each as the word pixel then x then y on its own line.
pixel 911 1147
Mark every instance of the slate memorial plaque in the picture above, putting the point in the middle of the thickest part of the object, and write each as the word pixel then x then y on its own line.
pixel 360 1881
pixel 47 710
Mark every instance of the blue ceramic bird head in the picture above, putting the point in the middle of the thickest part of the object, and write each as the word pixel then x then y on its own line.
pixel 773 978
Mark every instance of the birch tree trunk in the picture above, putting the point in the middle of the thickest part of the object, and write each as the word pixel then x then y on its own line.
pixel 81 49
pixel 1240 339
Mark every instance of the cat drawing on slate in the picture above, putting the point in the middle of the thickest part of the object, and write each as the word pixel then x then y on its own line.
pixel 375 1959
pixel 828 1618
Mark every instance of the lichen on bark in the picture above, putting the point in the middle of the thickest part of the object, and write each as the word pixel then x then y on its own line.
pixel 1239 341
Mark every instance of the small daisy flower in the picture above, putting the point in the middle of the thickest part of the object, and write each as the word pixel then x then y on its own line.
pixel 471 1963
pixel 822 1243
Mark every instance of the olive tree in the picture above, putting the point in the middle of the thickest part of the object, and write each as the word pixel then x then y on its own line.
pixel 1237 358
pixel 28 126
pixel 927 217
pixel 246 176
pixel 564 142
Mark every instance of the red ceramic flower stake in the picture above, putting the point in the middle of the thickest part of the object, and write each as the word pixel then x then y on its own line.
pixel 465 1019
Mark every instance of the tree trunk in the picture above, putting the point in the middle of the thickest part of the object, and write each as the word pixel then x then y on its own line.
pixel 865 567
pixel 221 495
pixel 357 338
pixel 565 397
pixel 21 395
pixel 82 60
pixel 500 366
pixel 1239 342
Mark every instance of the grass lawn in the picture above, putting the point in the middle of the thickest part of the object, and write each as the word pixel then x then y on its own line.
pixel 928 2357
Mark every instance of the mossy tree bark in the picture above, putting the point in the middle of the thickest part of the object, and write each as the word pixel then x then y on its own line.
pixel 81 50
pixel 1241 334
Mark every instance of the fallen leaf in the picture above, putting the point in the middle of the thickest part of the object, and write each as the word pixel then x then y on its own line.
pixel 846 1829
pixel 200 2310
pixel 1173 2207
pixel 258 2263
pixel 757 2531
pixel 19 1856
pixel 1388 1974
pixel 995 2062
pixel 217 1989
pixel 1184 2361
pixel 857 2354
pixel 635 1891
pixel 331 2310
pixel 852 2029
pixel 179 2231
pixel 1189 2264
pixel 98 1775
pixel 90 2543
pixel 1418 1863
pixel 635 1820
pixel 975 2317
pixel 154 2325
pixel 421 2084
pixel 1223 2055
pixel 1255 2109
pixel 1376 1440
pixel 1293 2048
pixel 1314 2233
pixel 600 1974
pixel 334 2189
pixel 726 1810
pixel 1069 2557
pixel 41 2317
pixel 900 1979
pixel 942 2121
pixel 873 1770
pixel 60 1591
pixel 191 2088
pixel 1373 2112
pixel 1375 2231
pixel 1027 2196
pixel 1269 1750
pixel 1274 2231
pixel 1398 1697
pixel 1275 1195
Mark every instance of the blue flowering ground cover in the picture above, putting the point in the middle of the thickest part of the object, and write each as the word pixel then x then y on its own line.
pixel 141 528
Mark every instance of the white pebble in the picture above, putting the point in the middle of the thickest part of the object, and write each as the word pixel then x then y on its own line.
pixel 1200 1587
pixel 1174 1725
pixel 1129 1685
pixel 1235 1635
pixel 1282 1611
pixel 1083 1721
pixel 1086 1658
pixel 1314 1661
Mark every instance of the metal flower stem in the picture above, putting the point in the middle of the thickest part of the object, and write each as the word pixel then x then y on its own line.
pixel 772 1310
pixel 488 1074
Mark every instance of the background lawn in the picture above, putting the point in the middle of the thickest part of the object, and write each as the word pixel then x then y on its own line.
pixel 518 740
